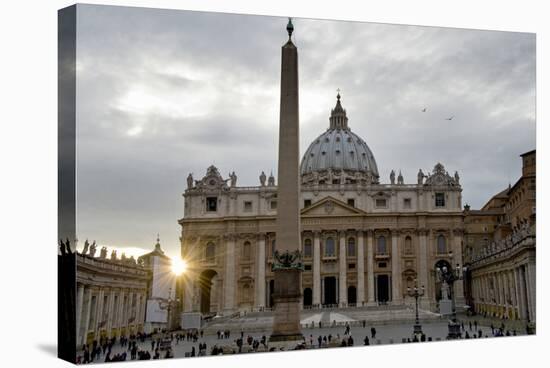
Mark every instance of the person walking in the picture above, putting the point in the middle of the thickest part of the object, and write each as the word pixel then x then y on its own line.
pixel 373 332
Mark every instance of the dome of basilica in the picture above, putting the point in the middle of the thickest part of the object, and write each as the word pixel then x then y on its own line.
pixel 339 151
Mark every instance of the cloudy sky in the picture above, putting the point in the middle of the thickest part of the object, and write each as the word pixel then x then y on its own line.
pixel 163 93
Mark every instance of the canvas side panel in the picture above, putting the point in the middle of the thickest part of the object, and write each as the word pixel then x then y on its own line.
pixel 66 268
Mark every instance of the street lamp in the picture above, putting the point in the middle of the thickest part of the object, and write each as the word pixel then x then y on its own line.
pixel 416 293
pixel 449 276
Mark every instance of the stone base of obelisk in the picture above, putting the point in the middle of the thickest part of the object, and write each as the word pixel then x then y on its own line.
pixel 287 298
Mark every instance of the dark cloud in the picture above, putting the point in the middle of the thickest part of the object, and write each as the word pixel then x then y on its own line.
pixel 163 93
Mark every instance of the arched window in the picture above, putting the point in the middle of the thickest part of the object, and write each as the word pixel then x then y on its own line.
pixel 381 246
pixel 307 248
pixel 408 245
pixel 246 250
pixel 351 247
pixel 329 247
pixel 210 254
pixel 441 245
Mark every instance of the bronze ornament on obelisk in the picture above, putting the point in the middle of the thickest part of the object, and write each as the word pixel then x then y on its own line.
pixel 287 265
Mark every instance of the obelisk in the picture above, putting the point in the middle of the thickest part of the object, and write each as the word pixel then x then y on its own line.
pixel 287 266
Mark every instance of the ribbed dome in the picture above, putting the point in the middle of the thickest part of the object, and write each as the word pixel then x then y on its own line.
pixel 339 149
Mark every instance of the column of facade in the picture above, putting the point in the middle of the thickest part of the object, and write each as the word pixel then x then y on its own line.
pixel 397 295
pixel 110 309
pixel 487 291
pixel 79 303
pixel 229 277
pixel 501 300
pixel 503 291
pixel 496 284
pixel 87 313
pixel 342 279
pixel 121 308
pixel 260 275
pixel 513 281
pixel 522 294
pixel 125 310
pixel 370 268
pixel 423 267
pixel 514 284
pixel 138 310
pixel 495 289
pixel 515 301
pixel 360 268
pixel 316 268
pixel 131 310
pixel 481 289
pixel 143 308
pixel 99 311
pixel 531 290
pixel 476 291
pixel 484 288
pixel 509 301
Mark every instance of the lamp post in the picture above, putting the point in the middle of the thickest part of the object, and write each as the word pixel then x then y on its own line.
pixel 167 304
pixel 416 292
pixel 449 276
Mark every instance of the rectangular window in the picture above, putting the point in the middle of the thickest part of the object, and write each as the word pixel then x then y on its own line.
pixel 273 205
pixel 351 202
pixel 380 203
pixel 382 265
pixel 407 203
pixel 247 206
pixel 307 203
pixel 351 266
pixel 211 204
pixel 440 199
pixel 307 267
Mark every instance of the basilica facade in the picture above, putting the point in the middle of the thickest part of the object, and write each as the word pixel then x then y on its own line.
pixel 363 242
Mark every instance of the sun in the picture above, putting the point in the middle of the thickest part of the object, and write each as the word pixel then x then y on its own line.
pixel 179 266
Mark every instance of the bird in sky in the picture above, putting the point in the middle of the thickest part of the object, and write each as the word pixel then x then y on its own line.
pixel 424 109
pixel 451 118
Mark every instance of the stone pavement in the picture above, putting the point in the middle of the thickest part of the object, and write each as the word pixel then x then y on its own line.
pixel 388 333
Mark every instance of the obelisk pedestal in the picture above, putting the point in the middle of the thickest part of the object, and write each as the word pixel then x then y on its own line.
pixel 287 265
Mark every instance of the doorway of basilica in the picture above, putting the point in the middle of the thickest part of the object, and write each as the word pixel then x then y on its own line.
pixel 308 297
pixel 352 295
pixel 382 289
pixel 205 287
pixel 330 290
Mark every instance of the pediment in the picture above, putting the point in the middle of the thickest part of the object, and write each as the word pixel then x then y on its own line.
pixel 330 206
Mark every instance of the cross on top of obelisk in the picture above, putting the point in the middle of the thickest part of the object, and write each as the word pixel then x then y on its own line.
pixel 289 27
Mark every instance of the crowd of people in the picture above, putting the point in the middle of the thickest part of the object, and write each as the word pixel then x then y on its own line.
pixel 102 349
pixel 162 344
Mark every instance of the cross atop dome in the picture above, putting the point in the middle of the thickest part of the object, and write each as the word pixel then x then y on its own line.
pixel 338 118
